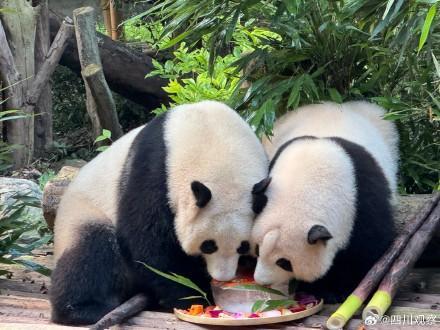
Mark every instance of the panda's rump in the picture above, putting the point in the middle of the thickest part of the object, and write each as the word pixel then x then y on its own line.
pixel 90 277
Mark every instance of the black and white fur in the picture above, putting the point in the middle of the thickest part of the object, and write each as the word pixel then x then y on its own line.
pixel 164 194
pixel 327 216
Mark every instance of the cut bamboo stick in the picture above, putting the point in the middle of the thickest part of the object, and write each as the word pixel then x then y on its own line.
pixel 345 312
pixel 128 309
pixel 383 297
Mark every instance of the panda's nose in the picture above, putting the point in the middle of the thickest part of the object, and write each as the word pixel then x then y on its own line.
pixel 222 268
pixel 223 276
pixel 261 276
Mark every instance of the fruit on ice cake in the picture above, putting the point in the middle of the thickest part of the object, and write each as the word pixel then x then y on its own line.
pixel 243 298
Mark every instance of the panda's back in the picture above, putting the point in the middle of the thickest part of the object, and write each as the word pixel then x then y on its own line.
pixel 358 122
pixel 93 195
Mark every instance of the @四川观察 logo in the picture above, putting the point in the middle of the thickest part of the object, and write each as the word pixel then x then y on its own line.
pixel 370 320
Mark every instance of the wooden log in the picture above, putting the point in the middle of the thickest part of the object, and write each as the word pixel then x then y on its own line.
pixel 103 97
pixel 51 61
pixel 382 299
pixel 43 122
pixel 124 68
pixel 101 116
pixel 84 20
pixel 11 78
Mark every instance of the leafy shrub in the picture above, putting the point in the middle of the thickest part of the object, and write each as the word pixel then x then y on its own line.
pixel 197 84
pixel 45 177
pixel 381 50
pixel 20 234
pixel 7 149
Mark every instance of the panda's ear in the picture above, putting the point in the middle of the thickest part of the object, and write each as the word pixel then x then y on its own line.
pixel 259 199
pixel 260 187
pixel 318 233
pixel 201 193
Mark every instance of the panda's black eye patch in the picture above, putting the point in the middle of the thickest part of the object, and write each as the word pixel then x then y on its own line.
pixel 208 247
pixel 284 264
pixel 257 250
pixel 244 247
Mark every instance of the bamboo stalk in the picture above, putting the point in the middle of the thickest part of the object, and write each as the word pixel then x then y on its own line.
pixel 345 312
pixel 114 20
pixel 128 309
pixel 105 7
pixel 383 297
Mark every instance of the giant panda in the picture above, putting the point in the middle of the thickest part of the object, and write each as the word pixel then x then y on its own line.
pixel 327 203
pixel 164 194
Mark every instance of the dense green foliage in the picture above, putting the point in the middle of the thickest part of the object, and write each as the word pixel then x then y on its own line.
pixel 21 232
pixel 384 51
pixel 6 149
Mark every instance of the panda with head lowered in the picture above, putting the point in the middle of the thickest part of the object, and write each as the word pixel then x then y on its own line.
pixel 164 194
pixel 327 202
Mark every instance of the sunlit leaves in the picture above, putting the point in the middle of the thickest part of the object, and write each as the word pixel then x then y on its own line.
pixel 427 25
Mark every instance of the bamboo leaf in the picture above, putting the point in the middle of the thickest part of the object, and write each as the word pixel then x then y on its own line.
pixel 106 133
pixel 294 96
pixel 102 148
pixel 275 304
pixel 231 27
pixel 335 96
pixel 191 297
pixel 258 306
pixel 35 267
pixel 178 279
pixel 175 40
pixel 436 64
pixel 387 9
pixel 427 26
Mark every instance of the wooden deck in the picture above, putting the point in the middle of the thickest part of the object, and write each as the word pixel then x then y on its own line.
pixel 24 305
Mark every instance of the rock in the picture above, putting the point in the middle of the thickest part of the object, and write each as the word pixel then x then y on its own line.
pixel 10 187
pixel 74 162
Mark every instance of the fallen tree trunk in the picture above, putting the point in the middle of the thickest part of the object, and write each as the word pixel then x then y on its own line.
pixel 124 68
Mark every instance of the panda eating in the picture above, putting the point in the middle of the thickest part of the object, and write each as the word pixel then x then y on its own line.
pixel 326 206
pixel 164 194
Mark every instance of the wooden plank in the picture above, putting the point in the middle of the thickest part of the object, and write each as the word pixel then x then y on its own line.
pixel 24 303
pixel 422 280
pixel 35 326
pixel 430 298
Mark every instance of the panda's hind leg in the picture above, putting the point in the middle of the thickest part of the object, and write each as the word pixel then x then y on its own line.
pixel 88 280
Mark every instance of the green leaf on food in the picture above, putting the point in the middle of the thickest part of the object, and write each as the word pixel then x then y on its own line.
pixel 191 297
pixel 268 305
pixel 255 287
